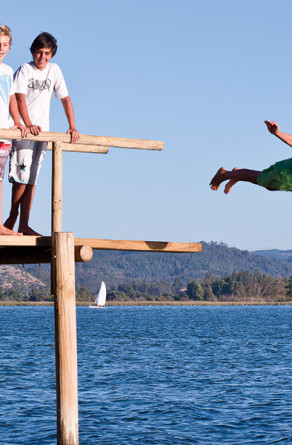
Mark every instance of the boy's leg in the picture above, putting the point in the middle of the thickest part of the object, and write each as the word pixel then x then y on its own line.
pixel 4 150
pixel 4 230
pixel 22 195
pixel 25 209
pixel 18 191
pixel 233 176
pixel 25 163
pixel 19 167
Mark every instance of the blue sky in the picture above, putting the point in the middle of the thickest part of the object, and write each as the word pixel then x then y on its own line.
pixel 200 76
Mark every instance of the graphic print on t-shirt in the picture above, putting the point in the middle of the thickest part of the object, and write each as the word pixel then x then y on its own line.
pixel 39 84
pixel 5 86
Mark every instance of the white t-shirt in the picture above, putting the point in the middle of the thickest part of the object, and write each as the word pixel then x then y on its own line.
pixel 38 86
pixel 6 90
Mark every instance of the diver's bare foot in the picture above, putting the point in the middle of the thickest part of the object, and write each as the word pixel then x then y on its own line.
pixel 5 231
pixel 26 230
pixel 218 178
pixel 230 183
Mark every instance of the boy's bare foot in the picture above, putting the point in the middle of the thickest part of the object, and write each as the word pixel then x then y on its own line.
pixel 10 223
pixel 5 231
pixel 26 230
pixel 230 183
pixel 218 178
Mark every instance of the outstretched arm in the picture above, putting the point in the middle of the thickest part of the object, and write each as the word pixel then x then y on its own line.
pixel 273 128
pixel 68 108
pixel 13 111
pixel 34 129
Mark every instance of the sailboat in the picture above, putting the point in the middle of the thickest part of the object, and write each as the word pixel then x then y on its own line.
pixel 101 297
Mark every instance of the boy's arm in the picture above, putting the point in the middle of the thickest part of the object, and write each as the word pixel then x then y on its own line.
pixel 68 108
pixel 273 128
pixel 34 129
pixel 13 111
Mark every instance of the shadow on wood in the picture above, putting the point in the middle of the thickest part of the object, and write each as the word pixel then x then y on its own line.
pixel 39 254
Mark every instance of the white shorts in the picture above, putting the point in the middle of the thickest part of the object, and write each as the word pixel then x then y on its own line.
pixel 25 161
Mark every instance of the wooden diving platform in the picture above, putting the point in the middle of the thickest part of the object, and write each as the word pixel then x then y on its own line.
pixel 104 244
pixel 37 249
pixel 62 250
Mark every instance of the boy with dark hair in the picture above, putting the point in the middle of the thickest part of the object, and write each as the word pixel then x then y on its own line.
pixel 34 84
pixel 8 105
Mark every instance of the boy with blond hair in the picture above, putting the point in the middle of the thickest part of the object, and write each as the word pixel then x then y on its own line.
pixel 34 84
pixel 8 105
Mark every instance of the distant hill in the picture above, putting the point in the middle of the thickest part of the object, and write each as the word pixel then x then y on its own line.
pixel 283 255
pixel 17 277
pixel 218 259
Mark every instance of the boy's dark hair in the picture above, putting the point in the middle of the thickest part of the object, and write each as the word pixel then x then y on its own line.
pixel 44 40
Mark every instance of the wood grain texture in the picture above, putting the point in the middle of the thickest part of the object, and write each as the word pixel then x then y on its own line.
pixel 142 246
pixel 82 148
pixel 56 214
pixel 65 338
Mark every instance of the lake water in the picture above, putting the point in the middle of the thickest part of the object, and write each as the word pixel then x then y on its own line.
pixel 153 375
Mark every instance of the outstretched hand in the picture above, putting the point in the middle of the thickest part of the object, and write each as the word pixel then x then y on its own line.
pixel 273 127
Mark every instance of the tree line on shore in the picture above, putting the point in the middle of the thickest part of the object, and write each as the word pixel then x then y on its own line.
pixel 114 267
pixel 237 287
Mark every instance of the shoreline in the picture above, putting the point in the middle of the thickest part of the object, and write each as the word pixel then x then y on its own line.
pixel 153 303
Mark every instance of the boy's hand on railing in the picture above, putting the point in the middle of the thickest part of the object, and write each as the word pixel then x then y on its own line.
pixel 34 129
pixel 24 130
pixel 75 135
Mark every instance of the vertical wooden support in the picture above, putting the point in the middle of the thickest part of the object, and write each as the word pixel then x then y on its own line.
pixel 65 338
pixel 63 289
pixel 57 187
pixel 56 213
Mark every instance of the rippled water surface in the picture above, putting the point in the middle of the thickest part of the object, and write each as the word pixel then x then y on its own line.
pixel 153 375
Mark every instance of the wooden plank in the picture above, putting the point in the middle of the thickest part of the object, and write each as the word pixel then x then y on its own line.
pixel 142 246
pixel 80 148
pixel 24 240
pixel 142 144
pixel 105 244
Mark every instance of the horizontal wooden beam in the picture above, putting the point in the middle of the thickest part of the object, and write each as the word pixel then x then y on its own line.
pixel 107 141
pixel 142 246
pixel 44 241
pixel 105 244
pixel 39 255
pixel 82 148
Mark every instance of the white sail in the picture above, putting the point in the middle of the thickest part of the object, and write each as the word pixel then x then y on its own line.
pixel 101 296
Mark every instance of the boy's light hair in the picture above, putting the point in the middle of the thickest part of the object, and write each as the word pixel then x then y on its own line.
pixel 5 31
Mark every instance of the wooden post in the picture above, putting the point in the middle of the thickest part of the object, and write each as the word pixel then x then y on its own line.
pixel 57 187
pixel 63 289
pixel 65 339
